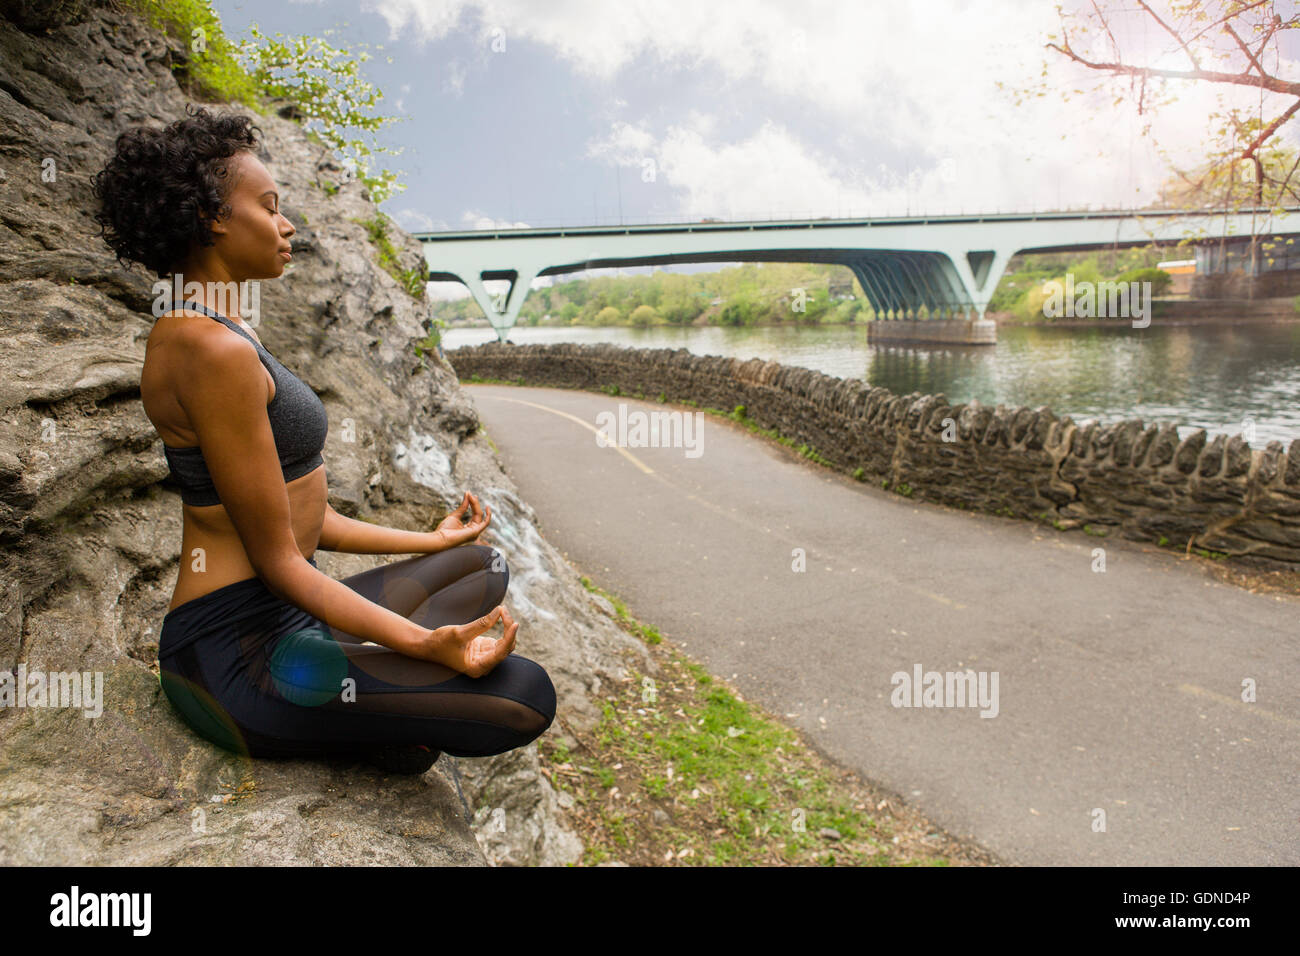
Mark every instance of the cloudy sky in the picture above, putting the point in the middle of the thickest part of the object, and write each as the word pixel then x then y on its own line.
pixel 548 112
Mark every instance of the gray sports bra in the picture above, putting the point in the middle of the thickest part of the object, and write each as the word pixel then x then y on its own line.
pixel 298 421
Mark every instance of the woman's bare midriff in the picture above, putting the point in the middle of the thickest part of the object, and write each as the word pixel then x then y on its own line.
pixel 212 553
pixel 222 557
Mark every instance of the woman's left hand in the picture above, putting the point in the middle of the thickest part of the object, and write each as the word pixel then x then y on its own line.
pixel 466 523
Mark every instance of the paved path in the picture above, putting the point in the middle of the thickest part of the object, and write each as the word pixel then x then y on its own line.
pixel 1119 691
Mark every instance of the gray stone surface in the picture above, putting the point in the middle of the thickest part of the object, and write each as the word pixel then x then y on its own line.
pixel 91 533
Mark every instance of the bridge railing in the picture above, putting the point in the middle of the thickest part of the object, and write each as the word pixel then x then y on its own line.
pixel 903 213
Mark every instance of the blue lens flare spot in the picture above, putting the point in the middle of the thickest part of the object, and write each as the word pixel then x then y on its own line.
pixel 308 667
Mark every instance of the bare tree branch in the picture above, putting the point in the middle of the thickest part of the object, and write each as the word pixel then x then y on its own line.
pixel 1257 3
pixel 1171 31
pixel 1114 44
pixel 1246 50
pixel 1270 129
pixel 1252 34
pixel 1272 84
pixel 1284 186
pixel 1277 21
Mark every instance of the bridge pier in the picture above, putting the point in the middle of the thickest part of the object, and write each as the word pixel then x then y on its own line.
pixel 974 331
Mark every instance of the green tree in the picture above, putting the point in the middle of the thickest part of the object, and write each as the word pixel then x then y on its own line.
pixel 325 84
pixel 816 307
pixel 739 310
pixel 577 291
pixel 644 315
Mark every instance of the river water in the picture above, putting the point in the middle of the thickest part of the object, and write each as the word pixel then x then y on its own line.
pixel 1220 377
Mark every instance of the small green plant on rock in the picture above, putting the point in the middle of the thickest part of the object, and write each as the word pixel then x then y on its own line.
pixel 211 70
pixel 412 280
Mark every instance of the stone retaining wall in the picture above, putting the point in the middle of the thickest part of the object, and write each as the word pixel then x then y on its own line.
pixel 1138 482
pixel 1238 285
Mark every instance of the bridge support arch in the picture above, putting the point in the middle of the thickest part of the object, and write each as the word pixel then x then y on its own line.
pixel 954 288
pixel 502 309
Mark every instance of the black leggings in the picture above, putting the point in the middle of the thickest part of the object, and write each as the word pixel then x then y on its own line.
pixel 259 676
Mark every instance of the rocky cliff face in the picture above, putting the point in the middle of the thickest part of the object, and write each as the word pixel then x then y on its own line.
pixel 91 530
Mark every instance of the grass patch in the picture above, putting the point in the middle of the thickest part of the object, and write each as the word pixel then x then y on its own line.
pixel 648 634
pixel 213 72
pixel 680 770
pixel 1055 522
pixel 488 380
pixel 740 417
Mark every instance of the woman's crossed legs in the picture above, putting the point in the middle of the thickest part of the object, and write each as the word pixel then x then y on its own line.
pixel 390 698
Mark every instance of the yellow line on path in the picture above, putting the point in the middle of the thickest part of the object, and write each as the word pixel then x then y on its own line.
pixel 1239 705
pixel 747 523
pixel 591 428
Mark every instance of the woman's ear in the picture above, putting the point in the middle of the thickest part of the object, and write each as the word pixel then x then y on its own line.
pixel 216 225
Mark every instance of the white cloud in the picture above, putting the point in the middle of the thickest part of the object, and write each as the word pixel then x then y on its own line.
pixel 769 175
pixel 915 80
pixel 455 78
pixel 447 291
pixel 451 291
pixel 625 144
pixel 414 221
pixel 471 219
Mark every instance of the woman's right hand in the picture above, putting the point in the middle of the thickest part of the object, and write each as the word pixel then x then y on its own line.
pixel 468 648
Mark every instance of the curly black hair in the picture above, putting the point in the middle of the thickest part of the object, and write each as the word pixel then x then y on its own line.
pixel 162 187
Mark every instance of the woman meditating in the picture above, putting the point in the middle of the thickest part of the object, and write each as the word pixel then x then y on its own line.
pixel 260 651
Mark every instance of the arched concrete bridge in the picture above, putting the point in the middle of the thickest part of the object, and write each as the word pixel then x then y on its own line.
pixel 950 265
